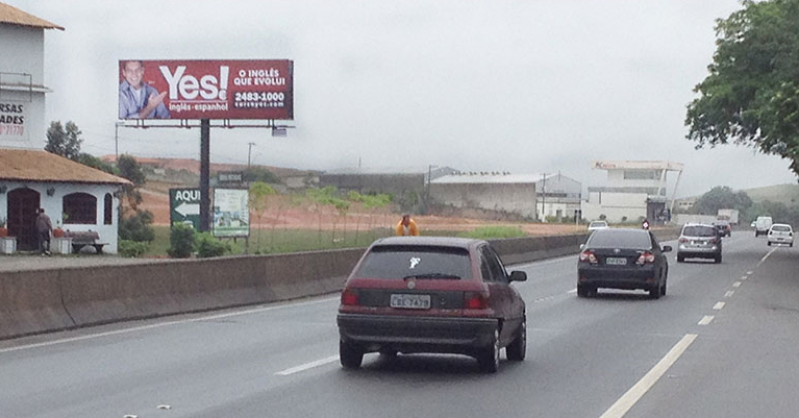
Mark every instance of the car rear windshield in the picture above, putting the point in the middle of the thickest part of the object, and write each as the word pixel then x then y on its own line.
pixel 422 262
pixel 598 224
pixel 781 228
pixel 619 238
pixel 699 231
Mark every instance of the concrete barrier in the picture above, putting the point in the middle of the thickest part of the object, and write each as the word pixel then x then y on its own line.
pixel 38 301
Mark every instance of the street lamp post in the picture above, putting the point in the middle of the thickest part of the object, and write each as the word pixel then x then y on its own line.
pixel 116 139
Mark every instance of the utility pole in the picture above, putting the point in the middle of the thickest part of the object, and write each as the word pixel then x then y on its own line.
pixel 116 139
pixel 544 199
pixel 249 154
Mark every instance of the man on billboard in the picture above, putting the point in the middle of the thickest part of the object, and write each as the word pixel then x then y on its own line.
pixel 137 99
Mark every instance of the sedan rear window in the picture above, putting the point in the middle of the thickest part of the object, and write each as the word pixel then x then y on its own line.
pixel 781 228
pixel 421 262
pixel 699 231
pixel 619 238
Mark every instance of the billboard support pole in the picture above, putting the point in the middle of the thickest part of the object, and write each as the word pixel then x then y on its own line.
pixel 205 174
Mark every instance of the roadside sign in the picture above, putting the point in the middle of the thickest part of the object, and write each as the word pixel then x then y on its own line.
pixel 231 213
pixel 184 207
pixel 230 177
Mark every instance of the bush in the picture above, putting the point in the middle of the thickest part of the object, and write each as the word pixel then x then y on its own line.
pixel 137 227
pixel 181 240
pixel 132 249
pixel 209 246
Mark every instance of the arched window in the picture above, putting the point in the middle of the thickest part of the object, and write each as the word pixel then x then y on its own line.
pixel 108 211
pixel 80 208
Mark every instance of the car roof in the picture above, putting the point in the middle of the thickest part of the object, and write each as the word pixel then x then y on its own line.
pixel 698 224
pixel 465 243
pixel 788 225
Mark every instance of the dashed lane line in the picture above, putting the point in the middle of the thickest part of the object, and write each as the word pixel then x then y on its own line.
pixel 719 306
pixel 307 366
pixel 635 393
pixel 706 320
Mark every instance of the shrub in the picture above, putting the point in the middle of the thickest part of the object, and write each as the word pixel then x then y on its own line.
pixel 209 246
pixel 181 240
pixel 137 227
pixel 132 249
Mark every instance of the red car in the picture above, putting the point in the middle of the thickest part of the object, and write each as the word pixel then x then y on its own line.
pixel 432 295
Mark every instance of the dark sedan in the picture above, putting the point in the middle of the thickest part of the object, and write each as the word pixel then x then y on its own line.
pixel 432 294
pixel 622 259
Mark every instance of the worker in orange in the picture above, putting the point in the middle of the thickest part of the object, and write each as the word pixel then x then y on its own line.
pixel 406 227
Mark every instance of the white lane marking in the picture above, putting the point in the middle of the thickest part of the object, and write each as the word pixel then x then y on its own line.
pixel 706 320
pixel 736 284
pixel 632 396
pixel 163 324
pixel 762 260
pixel 719 306
pixel 729 293
pixel 743 277
pixel 748 272
pixel 572 291
pixel 307 366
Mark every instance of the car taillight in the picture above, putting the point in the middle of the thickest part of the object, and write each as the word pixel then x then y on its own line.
pixel 683 240
pixel 475 300
pixel 588 256
pixel 349 297
pixel 713 240
pixel 646 257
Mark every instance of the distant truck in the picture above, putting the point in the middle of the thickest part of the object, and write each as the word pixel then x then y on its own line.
pixel 730 215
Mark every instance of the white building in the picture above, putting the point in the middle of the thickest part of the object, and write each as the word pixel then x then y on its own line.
pixel 634 190
pixel 77 198
pixel 22 88
pixel 557 196
pixel 493 191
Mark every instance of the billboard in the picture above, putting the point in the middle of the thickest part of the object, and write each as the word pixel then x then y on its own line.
pixel 206 89
pixel 231 213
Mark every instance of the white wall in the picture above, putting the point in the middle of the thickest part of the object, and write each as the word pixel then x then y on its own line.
pixel 615 206
pixel 53 206
pixel 26 46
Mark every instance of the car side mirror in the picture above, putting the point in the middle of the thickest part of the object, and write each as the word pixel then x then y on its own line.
pixel 582 247
pixel 666 248
pixel 518 276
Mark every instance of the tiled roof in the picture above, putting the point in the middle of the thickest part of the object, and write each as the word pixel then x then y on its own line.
pixel 13 16
pixel 42 166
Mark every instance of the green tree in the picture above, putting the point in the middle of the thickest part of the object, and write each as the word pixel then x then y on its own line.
pixel 65 143
pixel 258 194
pixel 722 197
pixel 751 96
pixel 256 173
pixel 130 169
pixel 94 162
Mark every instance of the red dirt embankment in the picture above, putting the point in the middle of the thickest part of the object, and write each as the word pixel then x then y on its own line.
pixel 286 212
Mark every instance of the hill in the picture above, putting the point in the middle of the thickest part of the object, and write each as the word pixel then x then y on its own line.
pixel 782 193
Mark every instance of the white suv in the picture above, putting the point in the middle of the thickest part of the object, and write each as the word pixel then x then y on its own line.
pixel 780 234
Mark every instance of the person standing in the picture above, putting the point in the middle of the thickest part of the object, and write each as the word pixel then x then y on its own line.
pixel 406 227
pixel 43 228
pixel 137 99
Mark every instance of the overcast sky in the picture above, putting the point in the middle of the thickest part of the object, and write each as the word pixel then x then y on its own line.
pixel 520 86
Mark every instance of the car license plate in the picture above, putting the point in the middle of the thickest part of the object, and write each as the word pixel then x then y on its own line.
pixel 410 301
pixel 616 261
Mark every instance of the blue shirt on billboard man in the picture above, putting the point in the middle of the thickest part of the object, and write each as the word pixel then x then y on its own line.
pixel 138 100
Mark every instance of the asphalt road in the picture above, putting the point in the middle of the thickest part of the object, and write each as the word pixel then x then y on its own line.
pixel 722 343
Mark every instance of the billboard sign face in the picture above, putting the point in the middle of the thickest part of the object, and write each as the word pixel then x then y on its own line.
pixel 231 213
pixel 184 207
pixel 206 89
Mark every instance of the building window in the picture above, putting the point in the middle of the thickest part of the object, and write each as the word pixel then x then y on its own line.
pixel 80 208
pixel 642 174
pixel 108 210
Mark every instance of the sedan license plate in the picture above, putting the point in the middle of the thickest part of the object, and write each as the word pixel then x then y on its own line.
pixel 410 301
pixel 616 261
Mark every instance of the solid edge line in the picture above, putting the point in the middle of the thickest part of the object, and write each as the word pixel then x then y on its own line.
pixel 629 399
pixel 307 366
pixel 270 307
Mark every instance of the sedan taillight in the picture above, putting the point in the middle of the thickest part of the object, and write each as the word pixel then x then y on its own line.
pixel 683 240
pixel 349 297
pixel 475 300
pixel 645 258
pixel 588 256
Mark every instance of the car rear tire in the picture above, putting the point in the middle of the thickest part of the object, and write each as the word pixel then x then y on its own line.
pixel 350 356
pixel 582 291
pixel 488 358
pixel 517 350
pixel 654 292
pixel 680 258
pixel 769 243
pixel 717 259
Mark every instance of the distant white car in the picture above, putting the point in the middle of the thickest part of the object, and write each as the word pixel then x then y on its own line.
pixel 594 225
pixel 780 234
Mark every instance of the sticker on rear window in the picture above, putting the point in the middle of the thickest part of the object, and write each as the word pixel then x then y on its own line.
pixel 415 261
